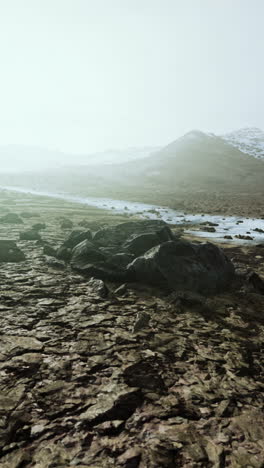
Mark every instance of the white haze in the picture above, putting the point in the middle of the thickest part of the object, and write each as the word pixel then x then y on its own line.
pixel 82 76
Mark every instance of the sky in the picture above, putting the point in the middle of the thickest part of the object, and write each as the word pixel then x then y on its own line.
pixel 88 75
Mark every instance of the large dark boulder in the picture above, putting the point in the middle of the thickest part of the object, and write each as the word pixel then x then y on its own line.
pixel 141 243
pixel 182 265
pixel 120 233
pixel 86 253
pixel 63 253
pixel 88 260
pixel 9 252
pixel 76 237
pixel 120 260
pixel 11 218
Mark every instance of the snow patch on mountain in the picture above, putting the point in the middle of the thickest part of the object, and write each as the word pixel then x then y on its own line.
pixel 249 140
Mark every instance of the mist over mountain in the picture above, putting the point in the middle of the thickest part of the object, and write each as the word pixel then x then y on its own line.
pixel 196 165
pixel 195 162
pixel 19 158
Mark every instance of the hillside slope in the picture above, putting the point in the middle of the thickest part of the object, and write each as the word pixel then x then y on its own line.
pixel 196 161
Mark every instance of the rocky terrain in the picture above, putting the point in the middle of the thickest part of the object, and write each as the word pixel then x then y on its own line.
pixel 131 369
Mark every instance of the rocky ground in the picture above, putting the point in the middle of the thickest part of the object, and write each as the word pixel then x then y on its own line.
pixel 110 375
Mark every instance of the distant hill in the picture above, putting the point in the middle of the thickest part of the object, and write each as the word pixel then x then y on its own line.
pixel 196 161
pixel 117 156
pixel 29 158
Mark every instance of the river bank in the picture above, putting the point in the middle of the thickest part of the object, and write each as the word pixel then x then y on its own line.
pixel 217 227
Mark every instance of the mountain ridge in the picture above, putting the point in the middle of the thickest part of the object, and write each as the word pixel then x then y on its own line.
pixel 248 140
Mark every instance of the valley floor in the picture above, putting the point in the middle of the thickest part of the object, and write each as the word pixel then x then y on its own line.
pixel 84 381
pixel 191 201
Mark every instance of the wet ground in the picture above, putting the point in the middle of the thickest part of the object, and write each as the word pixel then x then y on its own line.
pixel 107 377
pixel 237 228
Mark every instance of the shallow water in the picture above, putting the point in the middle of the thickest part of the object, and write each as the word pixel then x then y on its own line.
pixel 226 225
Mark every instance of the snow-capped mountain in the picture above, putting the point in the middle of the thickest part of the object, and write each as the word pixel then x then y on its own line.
pixel 249 140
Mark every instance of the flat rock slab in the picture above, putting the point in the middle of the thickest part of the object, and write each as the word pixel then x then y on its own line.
pixel 14 345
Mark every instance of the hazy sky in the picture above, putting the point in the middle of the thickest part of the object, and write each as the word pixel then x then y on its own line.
pixel 86 75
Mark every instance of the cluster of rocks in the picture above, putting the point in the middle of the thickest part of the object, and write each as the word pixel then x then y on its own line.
pixel 148 252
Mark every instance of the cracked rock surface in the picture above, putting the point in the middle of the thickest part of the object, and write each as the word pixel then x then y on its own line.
pixel 119 375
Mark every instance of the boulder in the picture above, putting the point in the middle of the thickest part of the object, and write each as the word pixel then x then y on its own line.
pixel 11 218
pixel 29 235
pixel 39 226
pixel 243 237
pixel 9 252
pixel 63 253
pixel 112 250
pixel 66 224
pixel 86 253
pixel 28 214
pixel 120 233
pixel 88 260
pixel 141 243
pixel 98 287
pixel 182 265
pixel 208 229
pixel 49 251
pixel 76 237
pixel 120 260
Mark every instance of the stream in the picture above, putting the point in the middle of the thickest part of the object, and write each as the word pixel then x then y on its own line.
pixel 222 225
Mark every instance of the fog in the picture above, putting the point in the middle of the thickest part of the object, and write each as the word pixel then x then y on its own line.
pixel 83 76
